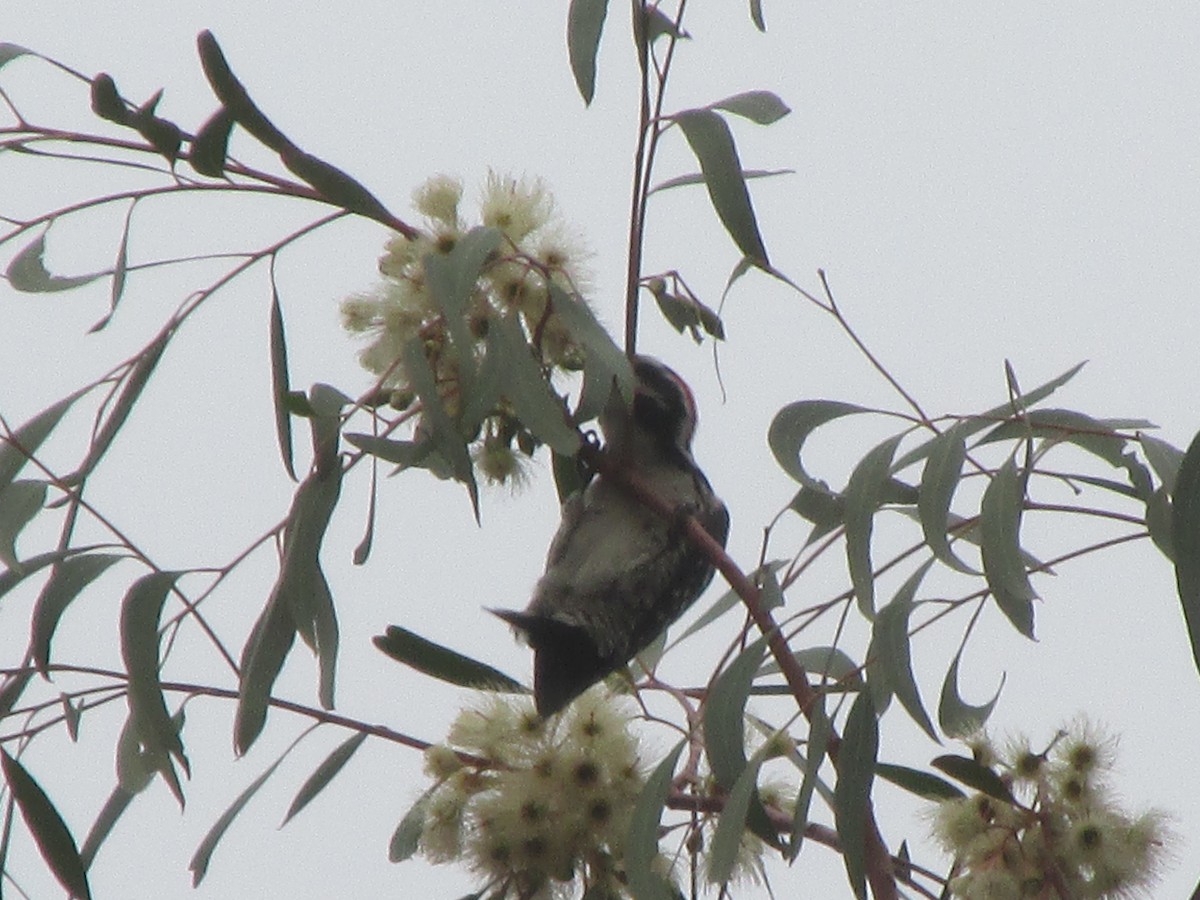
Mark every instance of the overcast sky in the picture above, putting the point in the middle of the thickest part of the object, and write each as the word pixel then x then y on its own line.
pixel 980 181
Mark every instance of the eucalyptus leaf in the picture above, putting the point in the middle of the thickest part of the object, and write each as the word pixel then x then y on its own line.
pixel 760 107
pixel 443 663
pixel 323 774
pixel 67 581
pixel 407 836
pixel 939 481
pixel 793 425
pixel 956 717
pixel 27 272
pixel 1003 564
pixel 642 844
pixel 585 25
pixel 864 496
pixel 1185 542
pixel 20 502
pixel 852 792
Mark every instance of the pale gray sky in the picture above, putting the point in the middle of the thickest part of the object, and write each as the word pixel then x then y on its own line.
pixel 980 181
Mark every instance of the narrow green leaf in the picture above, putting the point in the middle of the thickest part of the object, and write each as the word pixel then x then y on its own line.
pixel 792 426
pixel 697 178
pixel 323 774
pixel 15 450
pixel 203 855
pixel 827 663
pixel 20 502
pixel 443 663
pixel 407 836
pixel 725 712
pixel 114 807
pixel 233 95
pixel 819 730
pixel 136 379
pixel 119 272
pixel 1054 426
pixel 140 613
pixel 49 831
pixel 402 453
pixel 939 481
pixel 988 418
pixel 9 52
pixel 1185 541
pixel 67 580
pixel 760 107
pixel 301 586
pixel 1000 547
pixel 642 844
pixel 1164 458
pixel 334 185
pixel 659 24
pixel 363 551
pixel 966 770
pixel 27 272
pixel 585 24
pixel 210 146
pixel 864 496
pixel 731 826
pixel 136 765
pixel 280 383
pixel 956 717
pixel 756 15
pixel 852 793
pixel 10 578
pixel 923 784
pixel 537 406
pixel 452 279
pixel 711 140
pixel 604 362
pixel 446 436
pixel 890 639
pixel 1158 522
pixel 262 658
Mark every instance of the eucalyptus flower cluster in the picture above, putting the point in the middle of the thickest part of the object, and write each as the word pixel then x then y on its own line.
pixel 1058 833
pixel 547 807
pixel 534 252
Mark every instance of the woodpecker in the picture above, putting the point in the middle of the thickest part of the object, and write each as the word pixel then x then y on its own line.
pixel 618 573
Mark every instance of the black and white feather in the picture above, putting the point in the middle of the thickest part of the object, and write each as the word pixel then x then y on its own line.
pixel 617 573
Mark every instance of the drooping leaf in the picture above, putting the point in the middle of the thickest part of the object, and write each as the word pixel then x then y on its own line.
pixel 1158 522
pixel 363 551
pixel 642 844
pixel 119 272
pixel 280 382
pixel 819 729
pixel 1164 458
pixel 659 24
pixel 939 481
pixel 864 496
pixel 792 426
pixel 10 578
pixel 760 107
pixel 756 15
pixel 890 640
pixel 452 278
pixel 20 502
pixel 49 831
pixel 323 774
pixel 729 600
pixel 585 25
pixel 956 717
pixel 1000 547
pixel 446 437
pixel 67 580
pixel 711 140
pixel 605 364
pixel 731 826
pixel 1185 542
pixel 135 381
pixel 114 807
pixel 925 785
pixel 725 712
pixel 27 272
pixel 407 836
pixel 334 185
pixel 402 453
pixel 203 855
pixel 140 613
pixel 262 657
pixel 535 403
pixel 971 773
pixel 210 146
pixel 443 663
pixel 852 792
pixel 233 95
